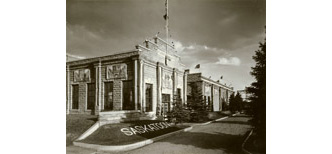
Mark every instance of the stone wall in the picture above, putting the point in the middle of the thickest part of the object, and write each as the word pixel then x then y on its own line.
pixel 82 89
pixel 117 83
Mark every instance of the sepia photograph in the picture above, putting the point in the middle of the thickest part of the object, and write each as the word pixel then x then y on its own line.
pixel 165 76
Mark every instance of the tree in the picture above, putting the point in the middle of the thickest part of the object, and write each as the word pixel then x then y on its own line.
pixel 178 114
pixel 238 102
pixel 257 90
pixel 197 104
pixel 232 103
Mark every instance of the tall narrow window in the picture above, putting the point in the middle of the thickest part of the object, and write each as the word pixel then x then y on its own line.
pixel 91 96
pixel 209 103
pixel 108 96
pixel 75 97
pixel 165 103
pixel 148 97
pixel 127 92
pixel 178 95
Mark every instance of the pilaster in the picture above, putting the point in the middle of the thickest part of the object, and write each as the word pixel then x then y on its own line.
pixel 158 109
pixel 136 80
pixel 98 89
pixel 185 76
pixel 68 89
pixel 140 86
pixel 212 98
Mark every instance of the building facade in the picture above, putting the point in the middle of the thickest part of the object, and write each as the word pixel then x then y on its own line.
pixel 212 93
pixel 134 85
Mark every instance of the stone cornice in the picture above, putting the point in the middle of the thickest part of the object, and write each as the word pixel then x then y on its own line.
pixel 103 58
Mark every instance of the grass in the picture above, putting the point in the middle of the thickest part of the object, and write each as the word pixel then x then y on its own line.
pixel 111 134
pixel 76 125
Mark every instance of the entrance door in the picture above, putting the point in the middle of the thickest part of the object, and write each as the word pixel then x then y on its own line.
pixel 108 96
pixel 165 103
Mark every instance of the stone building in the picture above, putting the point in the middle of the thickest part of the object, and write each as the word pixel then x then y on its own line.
pixel 209 91
pixel 134 85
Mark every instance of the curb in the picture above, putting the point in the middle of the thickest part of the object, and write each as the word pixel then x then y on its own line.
pixel 88 132
pixel 202 124
pixel 128 146
pixel 243 149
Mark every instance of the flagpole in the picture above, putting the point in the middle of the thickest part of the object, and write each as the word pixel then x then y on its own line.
pixel 166 29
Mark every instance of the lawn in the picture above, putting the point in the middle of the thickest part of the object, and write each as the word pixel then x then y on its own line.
pixel 76 125
pixel 111 134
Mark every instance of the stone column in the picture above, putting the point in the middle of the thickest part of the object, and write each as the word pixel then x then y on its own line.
pixel 98 89
pixel 135 84
pixel 143 88
pixel 68 89
pixel 212 97
pixel 158 110
pixel 220 100
pixel 185 88
pixel 140 86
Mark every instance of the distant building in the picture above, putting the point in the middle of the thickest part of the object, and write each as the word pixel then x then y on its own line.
pixel 212 92
pixel 134 85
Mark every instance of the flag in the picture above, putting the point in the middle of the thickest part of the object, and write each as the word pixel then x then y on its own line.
pixel 166 9
pixel 197 66
pixel 166 16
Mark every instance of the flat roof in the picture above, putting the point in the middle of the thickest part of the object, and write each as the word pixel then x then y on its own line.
pixel 212 81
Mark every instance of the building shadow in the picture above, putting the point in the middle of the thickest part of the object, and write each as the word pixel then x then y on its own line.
pixel 227 142
pixel 95 119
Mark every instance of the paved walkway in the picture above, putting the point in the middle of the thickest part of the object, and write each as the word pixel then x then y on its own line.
pixel 225 136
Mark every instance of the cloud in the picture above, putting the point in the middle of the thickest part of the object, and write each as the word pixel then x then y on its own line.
pixel 229 61
pixel 178 46
pixel 75 56
pixel 192 54
pixel 228 20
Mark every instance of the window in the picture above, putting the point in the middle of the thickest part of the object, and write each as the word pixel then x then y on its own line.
pixel 91 96
pixel 209 103
pixel 127 93
pixel 178 95
pixel 75 97
pixel 165 103
pixel 148 97
pixel 108 96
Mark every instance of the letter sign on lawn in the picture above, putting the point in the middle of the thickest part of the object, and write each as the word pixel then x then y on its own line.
pixel 126 131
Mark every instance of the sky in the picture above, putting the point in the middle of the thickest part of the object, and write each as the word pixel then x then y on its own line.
pixel 220 35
